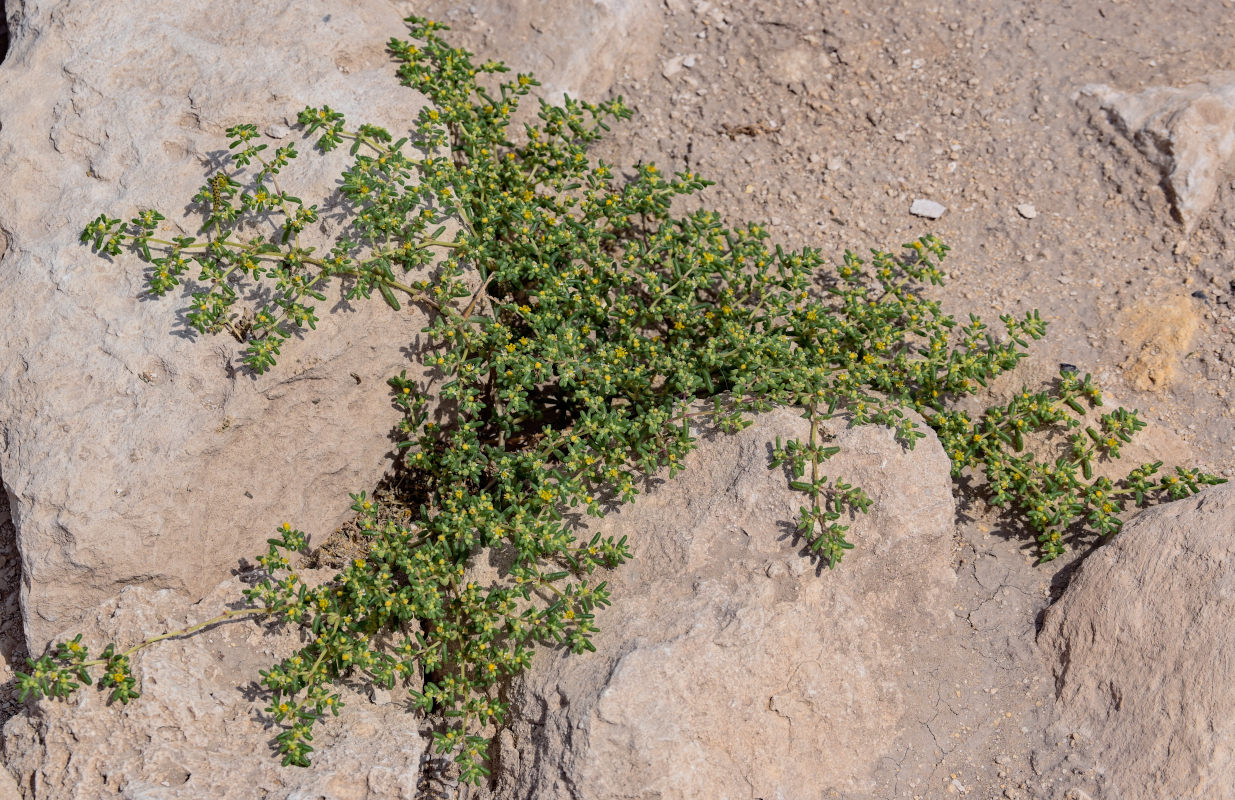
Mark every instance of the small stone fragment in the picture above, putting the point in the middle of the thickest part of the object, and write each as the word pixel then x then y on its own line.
pixel 927 208
pixel 676 64
pixel 1027 210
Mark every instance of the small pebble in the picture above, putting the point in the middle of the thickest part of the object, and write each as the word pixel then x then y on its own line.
pixel 674 65
pixel 927 208
pixel 1027 210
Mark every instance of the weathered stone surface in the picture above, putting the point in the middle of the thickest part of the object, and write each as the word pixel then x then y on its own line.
pixel 729 666
pixel 1187 132
pixel 1143 651
pixel 8 789
pixel 130 451
pixel 580 48
pixel 198 731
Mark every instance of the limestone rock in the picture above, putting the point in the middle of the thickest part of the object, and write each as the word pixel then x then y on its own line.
pixel 1187 132
pixel 8 789
pixel 198 731
pixel 1143 652
pixel 728 665
pixel 132 453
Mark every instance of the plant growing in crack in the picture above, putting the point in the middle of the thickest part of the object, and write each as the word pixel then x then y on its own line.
pixel 581 329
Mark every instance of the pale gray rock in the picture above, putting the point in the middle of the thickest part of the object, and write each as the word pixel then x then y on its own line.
pixel 198 729
pixel 1027 210
pixel 728 664
pixel 1143 652
pixel 132 451
pixel 927 208
pixel 1187 132
pixel 8 788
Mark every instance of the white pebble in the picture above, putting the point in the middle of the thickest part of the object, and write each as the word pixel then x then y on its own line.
pixel 927 208
pixel 1027 210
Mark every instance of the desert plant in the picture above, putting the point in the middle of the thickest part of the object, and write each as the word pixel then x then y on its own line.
pixel 582 333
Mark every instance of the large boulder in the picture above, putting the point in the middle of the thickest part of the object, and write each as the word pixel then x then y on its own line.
pixel 1143 651
pixel 132 451
pixel 198 730
pixel 730 664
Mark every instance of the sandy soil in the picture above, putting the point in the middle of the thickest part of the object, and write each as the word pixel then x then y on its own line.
pixel 828 119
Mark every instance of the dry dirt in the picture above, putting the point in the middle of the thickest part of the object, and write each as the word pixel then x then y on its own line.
pixel 826 120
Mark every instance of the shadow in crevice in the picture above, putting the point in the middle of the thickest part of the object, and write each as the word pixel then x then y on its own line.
pixel 4 30
pixel 12 638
